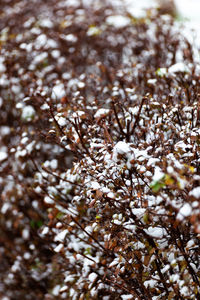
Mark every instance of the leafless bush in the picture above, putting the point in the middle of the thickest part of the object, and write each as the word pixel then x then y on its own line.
pixel 99 154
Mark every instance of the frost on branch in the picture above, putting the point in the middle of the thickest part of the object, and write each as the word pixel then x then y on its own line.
pixel 99 155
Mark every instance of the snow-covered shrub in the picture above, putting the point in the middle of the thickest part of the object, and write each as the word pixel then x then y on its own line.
pixel 99 154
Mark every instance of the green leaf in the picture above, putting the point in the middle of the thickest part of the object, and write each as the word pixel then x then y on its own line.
pixel 157 185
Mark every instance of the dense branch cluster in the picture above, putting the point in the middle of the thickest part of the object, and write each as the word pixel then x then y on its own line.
pixel 99 154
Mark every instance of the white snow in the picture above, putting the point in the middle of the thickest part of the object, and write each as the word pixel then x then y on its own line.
pixel 182 145
pixel 58 91
pixel 25 234
pixel 40 41
pixel 55 53
pixel 56 290
pixel 190 244
pixel 136 8
pixel 5 207
pixel 40 58
pixel 178 67
pixel 195 192
pixel 92 277
pixel 61 121
pixel 58 248
pixel 45 230
pixel 54 164
pixel 28 113
pixel 152 161
pixel 161 72
pixel 165 269
pixel 184 291
pixel 93 30
pixel 150 283
pixel 24 140
pixel 71 38
pixel 156 232
pixel 46 23
pixel 29 22
pixel 121 148
pixel 48 200
pixel 118 21
pixel 101 112
pixel 3 156
pixel 138 211
pixel 81 84
pixel 170 170
pixel 152 81
pixel 185 211
pixel 94 185
pixel 174 278
pixel 137 12
pixel 16 266
pixel 127 297
pixel 27 255
pixel 114 262
pixel 60 237
pixel 158 174
pixel 78 114
pixel 2 66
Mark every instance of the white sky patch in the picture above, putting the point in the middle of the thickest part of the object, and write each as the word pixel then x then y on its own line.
pixel 189 9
